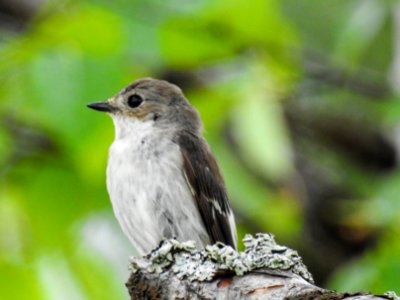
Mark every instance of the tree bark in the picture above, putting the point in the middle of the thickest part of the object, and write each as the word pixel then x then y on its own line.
pixel 265 270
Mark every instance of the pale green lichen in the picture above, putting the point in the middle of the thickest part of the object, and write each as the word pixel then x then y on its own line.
pixel 186 262
pixel 391 295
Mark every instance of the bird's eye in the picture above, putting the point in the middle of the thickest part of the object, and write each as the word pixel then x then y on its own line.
pixel 134 101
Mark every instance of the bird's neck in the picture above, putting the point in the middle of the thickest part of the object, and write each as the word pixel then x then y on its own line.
pixel 127 127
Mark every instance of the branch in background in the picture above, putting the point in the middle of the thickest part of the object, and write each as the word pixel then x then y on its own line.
pixel 265 270
pixel 319 68
pixel 15 14
pixel 27 141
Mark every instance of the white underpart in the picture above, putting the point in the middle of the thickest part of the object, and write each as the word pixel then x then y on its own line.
pixel 147 186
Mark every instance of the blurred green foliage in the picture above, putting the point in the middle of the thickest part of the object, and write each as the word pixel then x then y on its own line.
pixel 246 65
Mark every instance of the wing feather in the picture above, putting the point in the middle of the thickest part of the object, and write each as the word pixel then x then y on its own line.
pixel 206 183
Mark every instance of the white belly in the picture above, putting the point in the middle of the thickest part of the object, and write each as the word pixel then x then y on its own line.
pixel 148 191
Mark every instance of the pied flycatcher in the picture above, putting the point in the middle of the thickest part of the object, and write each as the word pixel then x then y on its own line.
pixel 162 179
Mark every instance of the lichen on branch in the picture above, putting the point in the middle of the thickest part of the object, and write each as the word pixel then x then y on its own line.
pixel 186 262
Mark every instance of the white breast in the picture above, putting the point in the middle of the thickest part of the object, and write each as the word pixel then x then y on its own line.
pixel 147 188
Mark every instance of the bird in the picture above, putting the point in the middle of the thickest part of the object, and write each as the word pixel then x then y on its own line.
pixel 162 178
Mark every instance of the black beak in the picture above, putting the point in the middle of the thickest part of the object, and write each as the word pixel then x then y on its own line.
pixel 101 106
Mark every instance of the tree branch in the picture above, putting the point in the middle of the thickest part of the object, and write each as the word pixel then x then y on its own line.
pixel 265 270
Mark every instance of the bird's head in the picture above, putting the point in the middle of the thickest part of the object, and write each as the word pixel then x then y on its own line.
pixel 151 100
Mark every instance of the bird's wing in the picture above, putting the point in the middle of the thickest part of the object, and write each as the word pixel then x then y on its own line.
pixel 207 186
